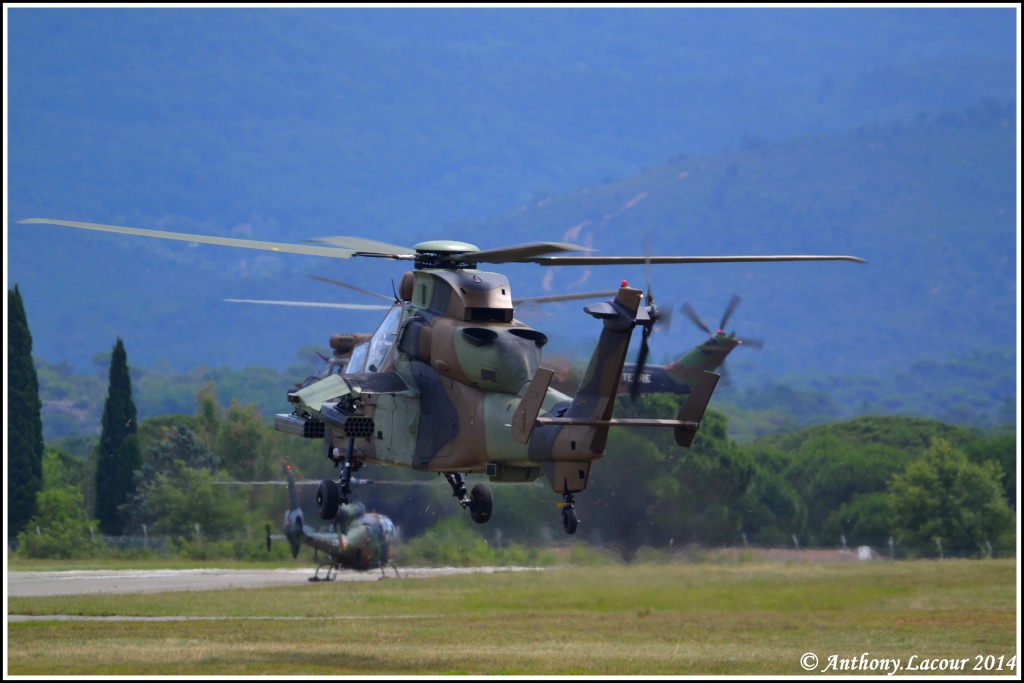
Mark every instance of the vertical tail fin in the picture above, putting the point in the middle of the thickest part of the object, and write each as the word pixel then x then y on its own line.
pixel 595 398
pixel 293 526
pixel 293 498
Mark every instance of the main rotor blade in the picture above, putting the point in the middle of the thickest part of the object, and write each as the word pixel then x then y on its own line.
pixel 753 343
pixel 647 266
pixel 640 260
pixel 313 304
pixel 565 297
pixel 352 287
pixel 332 252
pixel 365 247
pixel 527 253
pixel 519 252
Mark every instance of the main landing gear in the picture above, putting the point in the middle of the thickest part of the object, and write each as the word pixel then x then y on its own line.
pixel 479 501
pixel 330 495
pixel 332 572
pixel 569 519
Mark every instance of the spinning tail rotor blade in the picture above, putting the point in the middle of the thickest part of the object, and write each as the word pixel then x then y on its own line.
pixel 634 388
pixel 733 303
pixel 688 311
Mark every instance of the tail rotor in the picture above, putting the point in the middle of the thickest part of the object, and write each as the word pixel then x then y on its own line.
pixel 721 342
pixel 649 316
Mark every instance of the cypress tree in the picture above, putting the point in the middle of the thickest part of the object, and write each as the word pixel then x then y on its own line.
pixel 117 455
pixel 24 419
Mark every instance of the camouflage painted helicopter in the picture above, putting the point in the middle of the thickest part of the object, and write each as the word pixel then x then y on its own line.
pixel 362 540
pixel 451 383
pixel 680 376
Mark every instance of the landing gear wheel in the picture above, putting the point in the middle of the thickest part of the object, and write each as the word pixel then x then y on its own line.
pixel 327 499
pixel 569 519
pixel 481 503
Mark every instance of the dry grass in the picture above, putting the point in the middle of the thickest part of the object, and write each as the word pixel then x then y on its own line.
pixel 653 619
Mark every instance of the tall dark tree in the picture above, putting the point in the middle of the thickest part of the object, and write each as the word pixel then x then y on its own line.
pixel 24 419
pixel 117 455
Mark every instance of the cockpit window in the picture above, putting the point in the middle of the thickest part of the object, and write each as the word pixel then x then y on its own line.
pixel 358 358
pixel 334 366
pixel 382 340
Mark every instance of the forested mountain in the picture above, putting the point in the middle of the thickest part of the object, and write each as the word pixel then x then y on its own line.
pixel 888 134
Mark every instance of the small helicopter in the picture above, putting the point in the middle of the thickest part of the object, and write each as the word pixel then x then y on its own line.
pixel 680 376
pixel 363 540
pixel 451 383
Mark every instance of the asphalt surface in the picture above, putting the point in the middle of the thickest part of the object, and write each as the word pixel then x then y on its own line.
pixel 39 584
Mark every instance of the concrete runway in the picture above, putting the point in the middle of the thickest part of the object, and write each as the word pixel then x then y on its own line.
pixel 38 584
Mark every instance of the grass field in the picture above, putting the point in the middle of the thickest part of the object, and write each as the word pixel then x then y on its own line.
pixel 669 619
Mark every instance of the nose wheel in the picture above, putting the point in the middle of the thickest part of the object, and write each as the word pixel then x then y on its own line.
pixel 569 518
pixel 327 499
pixel 330 495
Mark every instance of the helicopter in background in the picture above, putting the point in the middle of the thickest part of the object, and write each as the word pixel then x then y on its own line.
pixel 451 383
pixel 361 540
pixel 680 376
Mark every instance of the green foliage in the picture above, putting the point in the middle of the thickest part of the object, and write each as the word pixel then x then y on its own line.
pixel 1002 451
pixel 61 529
pixel 452 542
pixel 772 508
pixel 826 482
pixel 806 407
pixel 648 492
pixel 909 434
pixel 865 519
pixel 943 496
pixel 184 498
pixel 118 454
pixel 457 542
pixel 625 491
pixel 241 444
pixel 832 473
pixel 62 469
pixel 207 412
pixel 169 463
pixel 242 548
pixel 24 424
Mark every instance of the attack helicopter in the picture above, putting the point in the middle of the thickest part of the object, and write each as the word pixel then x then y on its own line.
pixel 680 376
pixel 361 541
pixel 451 383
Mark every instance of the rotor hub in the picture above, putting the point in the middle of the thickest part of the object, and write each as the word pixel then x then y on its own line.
pixel 444 254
